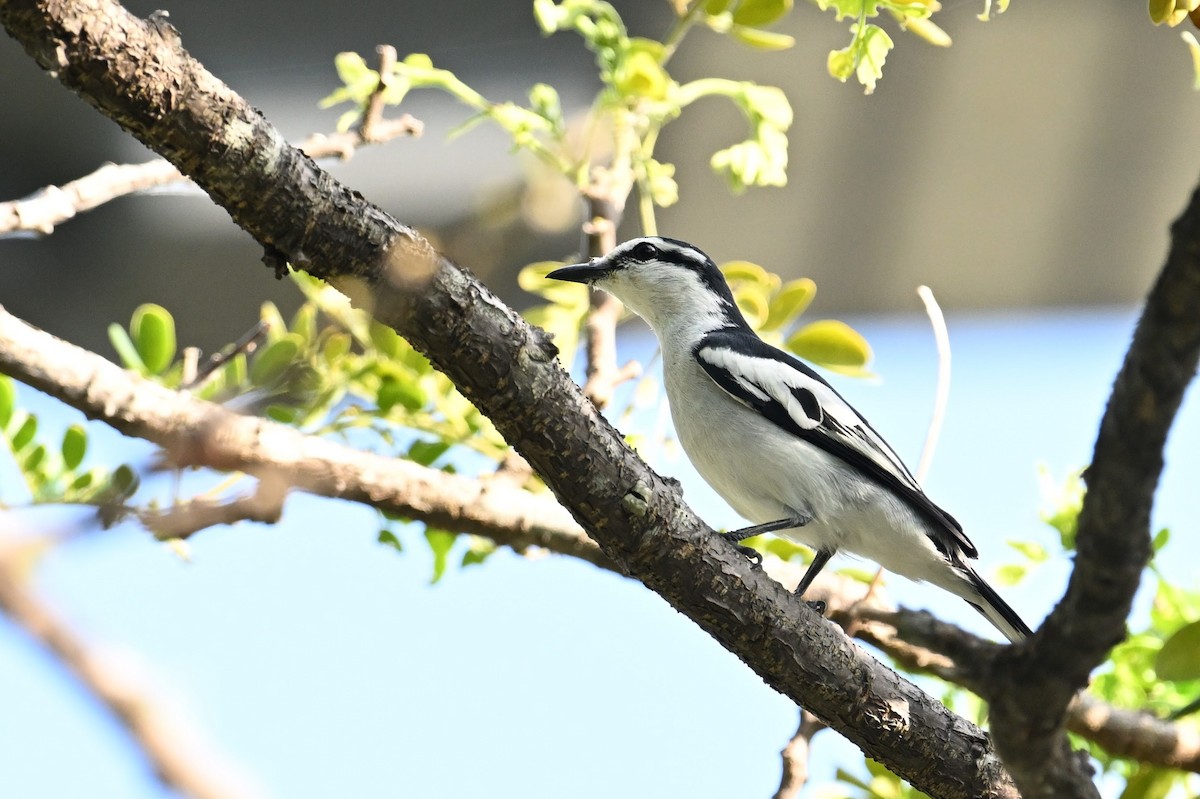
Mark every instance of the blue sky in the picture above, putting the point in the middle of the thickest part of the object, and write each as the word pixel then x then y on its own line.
pixel 325 664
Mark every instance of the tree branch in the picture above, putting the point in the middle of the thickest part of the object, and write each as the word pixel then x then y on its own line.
pixel 1032 685
pixel 53 205
pixel 181 759
pixel 198 433
pixel 144 81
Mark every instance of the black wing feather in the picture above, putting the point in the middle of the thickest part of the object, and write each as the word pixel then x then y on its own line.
pixel 828 433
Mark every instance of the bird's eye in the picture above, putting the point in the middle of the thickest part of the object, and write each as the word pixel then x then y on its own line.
pixel 644 252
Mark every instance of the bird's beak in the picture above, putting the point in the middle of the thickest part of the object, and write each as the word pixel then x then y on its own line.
pixel 581 273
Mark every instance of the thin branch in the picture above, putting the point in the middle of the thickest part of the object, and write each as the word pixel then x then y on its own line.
pixel 184 519
pixel 941 337
pixel 198 433
pixel 796 755
pixel 180 757
pixel 41 211
pixel 373 117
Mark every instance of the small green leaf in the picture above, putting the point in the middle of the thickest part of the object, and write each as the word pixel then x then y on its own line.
pixel 790 302
pixel 1160 539
pixel 74 446
pixel 426 452
pixel 1010 574
pixel 8 400
pixel 762 40
pixel 123 344
pixel 1179 658
pixel 831 343
pixel 24 434
pixel 440 543
pixel 1031 550
pixel 400 391
pixel 336 347
pixel 272 361
pixel 281 413
pixel 153 332
pixel 83 481
pixel 479 551
pixel 388 538
pixel 304 321
pixel 34 458
pixel 757 13
pixel 124 482
pixel 386 340
pixel 1149 782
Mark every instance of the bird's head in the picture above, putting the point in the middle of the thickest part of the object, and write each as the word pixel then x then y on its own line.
pixel 669 283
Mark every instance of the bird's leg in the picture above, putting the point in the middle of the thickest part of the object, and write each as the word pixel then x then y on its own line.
pixel 755 558
pixel 819 560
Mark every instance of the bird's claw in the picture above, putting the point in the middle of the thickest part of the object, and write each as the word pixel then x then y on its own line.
pixel 817 605
pixel 749 553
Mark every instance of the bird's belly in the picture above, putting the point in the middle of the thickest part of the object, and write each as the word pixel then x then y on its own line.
pixel 767 475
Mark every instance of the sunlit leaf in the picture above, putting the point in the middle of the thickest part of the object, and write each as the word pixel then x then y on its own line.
pixel 832 343
pixel 440 543
pixel 8 400
pixel 270 362
pixel 74 446
pixel 153 331
pixel 388 538
pixel 1179 658
pixel 756 13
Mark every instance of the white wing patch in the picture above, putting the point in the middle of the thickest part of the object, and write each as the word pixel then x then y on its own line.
pixel 822 411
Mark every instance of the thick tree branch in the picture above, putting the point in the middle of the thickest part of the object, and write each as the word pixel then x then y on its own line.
pixel 177 753
pixel 919 642
pixel 198 433
pixel 1032 685
pixel 143 80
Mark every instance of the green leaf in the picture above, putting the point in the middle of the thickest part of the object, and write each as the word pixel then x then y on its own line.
pixel 757 13
pixel 1011 573
pixel 388 538
pixel 440 543
pixel 34 459
pixel 304 322
pixel 74 446
pixel 124 482
pixel 273 360
pixel 1160 539
pixel 1193 47
pixel 831 343
pixel 25 433
pixel 426 452
pixel 386 340
pixel 479 551
pixel 762 40
pixel 8 400
pixel 1179 658
pixel 125 350
pixel 400 391
pixel 336 347
pixel 1149 782
pixel 789 302
pixel 153 331
pixel 1031 550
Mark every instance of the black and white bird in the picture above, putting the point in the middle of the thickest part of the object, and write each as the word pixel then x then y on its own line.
pixel 775 440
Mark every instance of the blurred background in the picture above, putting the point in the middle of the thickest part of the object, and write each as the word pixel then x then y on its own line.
pixel 1028 174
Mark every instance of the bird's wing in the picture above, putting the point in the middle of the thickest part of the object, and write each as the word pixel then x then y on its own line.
pixel 794 397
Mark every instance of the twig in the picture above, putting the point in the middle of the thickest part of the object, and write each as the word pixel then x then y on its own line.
pixel 603 374
pixel 795 757
pixel 246 344
pixel 41 211
pixel 942 396
pixel 184 519
pixel 375 104
pixel 181 759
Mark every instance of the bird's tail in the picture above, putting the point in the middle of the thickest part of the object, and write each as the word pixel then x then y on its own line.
pixel 995 609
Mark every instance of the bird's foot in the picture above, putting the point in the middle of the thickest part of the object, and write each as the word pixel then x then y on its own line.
pixel 817 605
pixel 750 553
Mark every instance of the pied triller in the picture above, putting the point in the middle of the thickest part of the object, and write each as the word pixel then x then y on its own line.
pixel 775 440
